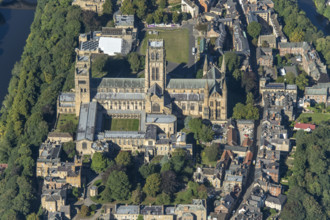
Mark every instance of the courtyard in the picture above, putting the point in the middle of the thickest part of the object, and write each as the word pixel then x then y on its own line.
pixel 116 124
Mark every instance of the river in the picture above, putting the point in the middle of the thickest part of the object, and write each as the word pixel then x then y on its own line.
pixel 13 35
pixel 318 20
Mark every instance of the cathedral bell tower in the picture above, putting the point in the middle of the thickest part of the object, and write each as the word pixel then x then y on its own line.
pixel 155 76
pixel 82 81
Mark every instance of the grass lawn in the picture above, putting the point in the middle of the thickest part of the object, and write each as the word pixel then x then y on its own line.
pixel 317 118
pixel 176 44
pixel 64 119
pixel 206 161
pixel 125 124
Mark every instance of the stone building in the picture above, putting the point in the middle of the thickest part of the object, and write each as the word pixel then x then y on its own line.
pixel 188 6
pixel 311 61
pixel 155 101
pixel 318 93
pixel 90 5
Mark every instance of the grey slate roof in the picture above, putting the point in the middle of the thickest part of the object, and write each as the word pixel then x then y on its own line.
pixel 118 82
pixel 87 121
pixel 121 134
pixel 129 209
pixel 187 97
pixel 160 118
pixel 190 83
pixel 119 96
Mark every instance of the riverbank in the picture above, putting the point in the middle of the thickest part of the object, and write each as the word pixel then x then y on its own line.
pixel 317 19
pixel 13 35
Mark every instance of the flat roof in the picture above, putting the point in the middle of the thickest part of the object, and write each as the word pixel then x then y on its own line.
pixel 156 43
pixel 110 45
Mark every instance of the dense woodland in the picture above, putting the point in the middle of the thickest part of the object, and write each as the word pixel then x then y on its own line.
pixel 28 111
pixel 309 185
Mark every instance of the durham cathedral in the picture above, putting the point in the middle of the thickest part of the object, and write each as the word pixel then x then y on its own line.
pixel 156 101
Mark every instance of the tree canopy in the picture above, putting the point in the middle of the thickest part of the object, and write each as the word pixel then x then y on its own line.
pixel 99 162
pixel 309 184
pixel 124 158
pixel 254 29
pixel 152 186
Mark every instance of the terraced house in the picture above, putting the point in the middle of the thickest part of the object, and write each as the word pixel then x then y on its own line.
pixel 150 105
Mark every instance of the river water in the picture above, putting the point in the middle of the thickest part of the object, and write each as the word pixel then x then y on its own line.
pixel 13 35
pixel 318 20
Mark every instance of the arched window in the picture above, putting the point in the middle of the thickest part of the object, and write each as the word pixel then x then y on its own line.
pixel 157 74
pixel 152 56
pixel 157 56
pixel 156 107
pixel 84 145
pixel 153 73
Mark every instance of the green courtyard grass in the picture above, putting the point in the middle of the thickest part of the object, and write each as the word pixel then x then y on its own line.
pixel 124 124
pixel 176 44
pixel 64 119
pixel 317 118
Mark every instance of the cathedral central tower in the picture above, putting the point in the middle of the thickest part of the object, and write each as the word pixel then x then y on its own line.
pixel 155 76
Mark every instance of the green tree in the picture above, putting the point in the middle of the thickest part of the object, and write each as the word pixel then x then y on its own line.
pixel 212 152
pixel 249 98
pixel 141 10
pixel 70 149
pixel 297 35
pixel 158 16
pixel 134 61
pixel 137 196
pixel 127 8
pixel 118 185
pixel 147 169
pixel 84 211
pixel 165 18
pixel 124 158
pixel 163 199
pixel 254 29
pixel 99 162
pixel 175 17
pixel 107 7
pixel 150 19
pixel 206 134
pixel 162 3
pixel 140 217
pixel 302 81
pixel 152 186
pixel 32 216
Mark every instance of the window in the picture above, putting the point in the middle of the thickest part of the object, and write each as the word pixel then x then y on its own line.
pixel 150 143
pixel 200 108
pixel 211 104
pixel 152 56
pixel 157 56
pixel 218 103
pixel 84 145
pixel 157 74
pixel 183 106
pixel 81 82
pixel 156 107
pixel 153 73
pixel 192 107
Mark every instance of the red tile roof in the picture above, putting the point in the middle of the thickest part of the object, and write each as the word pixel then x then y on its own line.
pixel 304 126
